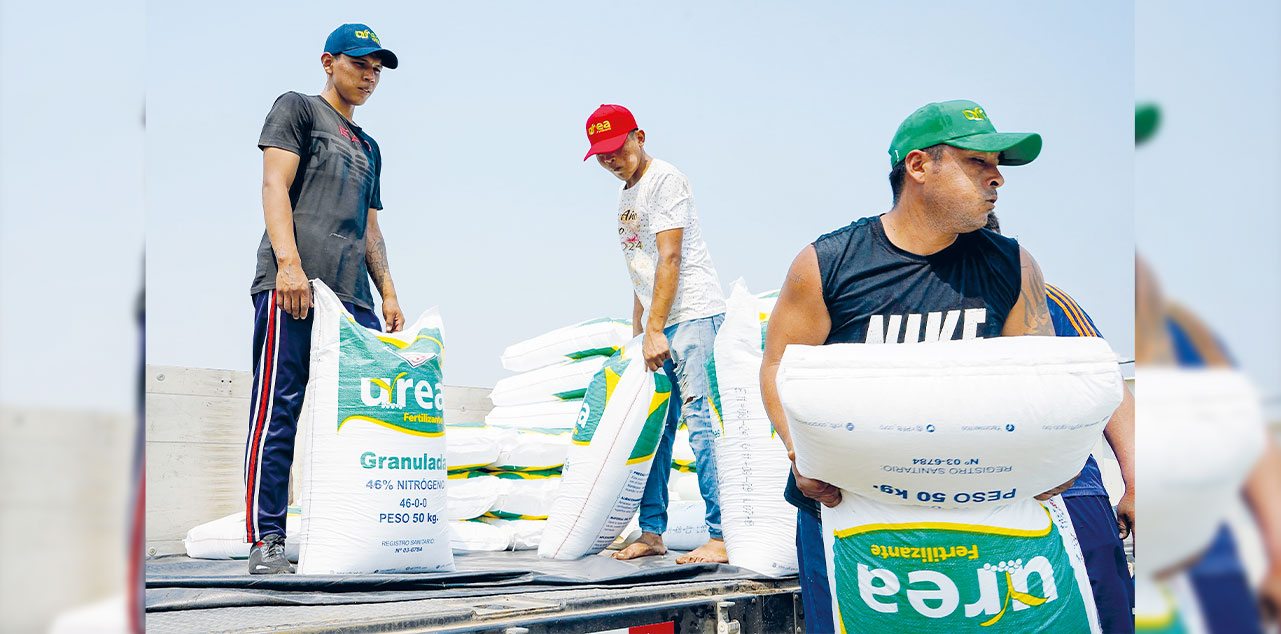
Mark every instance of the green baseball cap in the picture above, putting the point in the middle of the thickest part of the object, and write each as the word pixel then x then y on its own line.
pixel 1147 118
pixel 962 124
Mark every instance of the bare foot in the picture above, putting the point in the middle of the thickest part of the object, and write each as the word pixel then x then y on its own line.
pixel 648 544
pixel 713 552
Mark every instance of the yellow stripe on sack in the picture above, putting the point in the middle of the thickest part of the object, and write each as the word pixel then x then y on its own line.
pixel 611 381
pixel 427 434
pixel 948 526
pixel 1158 622
pixel 581 443
pixel 401 345
pixel 659 399
pixel 641 459
pixel 467 467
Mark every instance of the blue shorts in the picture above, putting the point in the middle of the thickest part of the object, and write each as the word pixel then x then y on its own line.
pixel 1110 578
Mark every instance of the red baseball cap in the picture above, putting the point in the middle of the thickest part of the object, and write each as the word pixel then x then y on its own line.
pixel 607 129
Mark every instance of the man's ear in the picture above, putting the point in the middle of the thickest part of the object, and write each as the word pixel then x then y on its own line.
pixel 640 138
pixel 327 62
pixel 916 164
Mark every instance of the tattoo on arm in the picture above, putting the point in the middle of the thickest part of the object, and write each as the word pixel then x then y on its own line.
pixel 376 260
pixel 1036 313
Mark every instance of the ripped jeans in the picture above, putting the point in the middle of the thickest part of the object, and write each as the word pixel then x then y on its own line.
pixel 691 347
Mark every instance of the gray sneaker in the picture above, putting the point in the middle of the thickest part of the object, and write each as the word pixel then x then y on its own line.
pixel 267 557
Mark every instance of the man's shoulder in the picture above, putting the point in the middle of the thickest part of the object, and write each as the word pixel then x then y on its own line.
pixel 846 232
pixel 661 172
pixel 988 237
pixel 294 99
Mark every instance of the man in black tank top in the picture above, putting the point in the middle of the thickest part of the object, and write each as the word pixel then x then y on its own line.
pixel 924 271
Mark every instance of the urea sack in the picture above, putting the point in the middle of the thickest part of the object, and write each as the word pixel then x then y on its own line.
pixel 474 445
pixel 559 415
pixel 528 449
pixel 565 381
pixel 472 494
pixel 373 494
pixel 590 338
pixel 1198 434
pixel 949 424
pixel 224 538
pixel 751 462
pixel 526 495
pixel 1015 568
pixel 613 447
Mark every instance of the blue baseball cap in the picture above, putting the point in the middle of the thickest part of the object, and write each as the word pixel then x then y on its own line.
pixel 358 40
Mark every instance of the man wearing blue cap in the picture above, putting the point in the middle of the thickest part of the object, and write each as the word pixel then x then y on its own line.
pixel 320 199
pixel 876 279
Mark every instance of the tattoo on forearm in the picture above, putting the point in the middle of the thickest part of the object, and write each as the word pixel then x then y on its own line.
pixel 376 261
pixel 1036 313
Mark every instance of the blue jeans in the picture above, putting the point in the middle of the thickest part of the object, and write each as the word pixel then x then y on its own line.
pixel 691 347
pixel 816 593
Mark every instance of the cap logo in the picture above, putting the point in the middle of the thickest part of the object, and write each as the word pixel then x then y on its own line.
pixel 367 35
pixel 976 114
pixel 592 129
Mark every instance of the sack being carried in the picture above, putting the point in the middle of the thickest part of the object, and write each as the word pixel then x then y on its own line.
pixel 613 447
pixel 952 424
pixel 373 458
pixel 1015 568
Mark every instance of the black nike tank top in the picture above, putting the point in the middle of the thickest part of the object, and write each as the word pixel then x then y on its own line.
pixel 876 292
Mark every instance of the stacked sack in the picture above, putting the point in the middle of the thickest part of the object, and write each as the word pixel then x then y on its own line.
pixel 503 502
pixel 939 449
pixel 752 465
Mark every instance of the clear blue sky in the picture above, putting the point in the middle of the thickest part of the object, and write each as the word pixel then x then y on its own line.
pixel 780 117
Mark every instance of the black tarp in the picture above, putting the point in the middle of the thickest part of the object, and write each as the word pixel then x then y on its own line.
pixel 177 582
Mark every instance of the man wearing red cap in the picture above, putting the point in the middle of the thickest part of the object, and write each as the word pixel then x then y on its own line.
pixel 678 305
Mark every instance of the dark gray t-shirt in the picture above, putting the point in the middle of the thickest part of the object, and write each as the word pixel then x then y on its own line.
pixel 336 185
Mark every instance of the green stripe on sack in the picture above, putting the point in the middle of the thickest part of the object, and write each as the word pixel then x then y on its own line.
pixel 714 389
pixel 594 352
pixel 652 432
pixel 503 515
pixel 571 395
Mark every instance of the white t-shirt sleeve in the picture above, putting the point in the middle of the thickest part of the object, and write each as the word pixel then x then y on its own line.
pixel 670 204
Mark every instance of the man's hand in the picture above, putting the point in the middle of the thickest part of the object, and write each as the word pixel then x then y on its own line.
pixel 293 291
pixel 655 349
pixel 1058 489
pixel 824 493
pixel 392 316
pixel 1270 593
pixel 1125 515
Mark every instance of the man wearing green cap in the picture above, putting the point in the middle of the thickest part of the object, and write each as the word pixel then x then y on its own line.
pixel 876 279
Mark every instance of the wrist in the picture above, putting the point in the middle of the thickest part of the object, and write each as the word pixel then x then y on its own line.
pixel 287 260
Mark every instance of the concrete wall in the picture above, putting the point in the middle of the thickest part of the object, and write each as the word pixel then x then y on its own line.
pixel 196 425
pixel 63 513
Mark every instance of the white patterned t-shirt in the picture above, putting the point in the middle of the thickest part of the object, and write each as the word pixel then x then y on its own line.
pixel 659 202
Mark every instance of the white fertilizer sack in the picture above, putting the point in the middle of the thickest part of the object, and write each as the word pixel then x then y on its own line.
pixel 597 337
pixel 527 495
pixel 687 525
pixel 224 538
pixel 951 424
pixel 561 415
pixel 526 534
pixel 472 494
pixel 474 445
pixel 605 471
pixel 373 494
pixel 561 382
pixel 533 450
pixel 1198 434
pixel 475 536
pixel 1016 568
pixel 751 462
